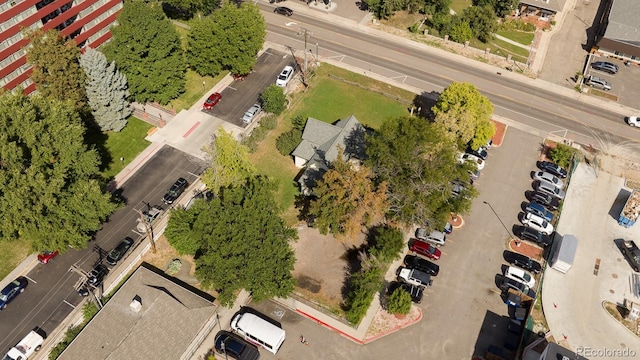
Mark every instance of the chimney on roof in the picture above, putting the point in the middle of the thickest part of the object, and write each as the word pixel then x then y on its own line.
pixel 136 303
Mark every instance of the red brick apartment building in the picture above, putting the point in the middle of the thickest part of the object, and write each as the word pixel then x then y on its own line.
pixel 85 21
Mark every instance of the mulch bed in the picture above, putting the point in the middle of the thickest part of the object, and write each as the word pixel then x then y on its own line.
pixel 531 251
pixel 501 131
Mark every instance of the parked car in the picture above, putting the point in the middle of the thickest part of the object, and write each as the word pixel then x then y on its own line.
pixel 416 292
pixel 457 189
pixel 250 114
pixel 531 234
pixel 550 202
pixel 537 223
pixel 549 188
pixel 597 83
pixel 425 249
pixel 416 262
pixel 539 209
pixel 523 261
pixel 605 66
pixel 633 121
pixel 448 228
pixel 285 76
pixel 283 11
pixel 47 256
pixel 480 152
pixel 97 274
pixel 212 101
pixel 520 275
pixel 474 175
pixel 556 170
pixel 471 158
pixel 414 277
pixel 235 347
pixel 148 217
pixel 118 252
pixel 175 191
pixel 548 177
pixel 435 237
pixel 632 254
pixel 275 1
pixel 518 286
pixel 12 290
pixel 83 290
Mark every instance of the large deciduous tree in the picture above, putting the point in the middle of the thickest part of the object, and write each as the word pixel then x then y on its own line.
pixel 239 241
pixel 482 20
pixel 464 113
pixel 419 165
pixel 107 91
pixel 346 199
pixel 146 48
pixel 229 39
pixel 501 7
pixel 191 7
pixel 230 162
pixel 49 188
pixel 56 67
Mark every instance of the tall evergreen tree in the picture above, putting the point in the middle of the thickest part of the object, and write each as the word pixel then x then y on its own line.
pixel 56 68
pixel 107 91
pixel 229 39
pixel 49 188
pixel 147 49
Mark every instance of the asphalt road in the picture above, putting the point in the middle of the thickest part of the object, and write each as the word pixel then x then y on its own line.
pixel 414 65
pixel 51 296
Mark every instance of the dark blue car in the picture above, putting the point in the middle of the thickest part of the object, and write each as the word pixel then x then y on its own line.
pixel 12 290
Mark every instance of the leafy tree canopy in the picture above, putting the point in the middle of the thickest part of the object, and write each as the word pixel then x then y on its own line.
pixel 147 49
pixel 419 164
pixel 107 91
pixel 230 162
pixel 206 7
pixel 239 241
pixel 56 68
pixel 347 199
pixel 482 20
pixel 49 192
pixel 460 109
pixel 228 39
pixel 273 99
pixel 501 7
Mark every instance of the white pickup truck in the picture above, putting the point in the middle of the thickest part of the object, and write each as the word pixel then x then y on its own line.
pixel 26 347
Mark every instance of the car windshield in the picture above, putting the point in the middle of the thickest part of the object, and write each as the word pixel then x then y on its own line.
pixel 3 297
pixel 526 277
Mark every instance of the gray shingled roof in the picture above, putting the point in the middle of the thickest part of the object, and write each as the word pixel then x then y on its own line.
pixel 553 5
pixel 321 140
pixel 623 22
pixel 170 319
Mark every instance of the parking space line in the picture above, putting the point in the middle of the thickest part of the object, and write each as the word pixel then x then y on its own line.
pixel 30 279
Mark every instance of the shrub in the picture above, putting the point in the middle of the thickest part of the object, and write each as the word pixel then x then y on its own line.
pixel 414 28
pixel 273 99
pixel 288 141
pixel 386 243
pixel 562 155
pixel 461 32
pixel 399 302
pixel 269 122
pixel 364 285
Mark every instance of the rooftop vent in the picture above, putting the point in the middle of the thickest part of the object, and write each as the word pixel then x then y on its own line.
pixel 136 304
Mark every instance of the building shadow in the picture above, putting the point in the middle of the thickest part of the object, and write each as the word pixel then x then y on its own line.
pixel 618 203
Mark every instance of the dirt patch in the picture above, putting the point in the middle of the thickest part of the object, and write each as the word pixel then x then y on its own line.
pixel 384 323
pixel 619 313
pixel 501 131
pixel 531 251
pixel 164 256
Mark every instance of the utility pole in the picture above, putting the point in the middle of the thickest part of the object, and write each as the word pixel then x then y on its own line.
pixel 306 33
pixel 148 229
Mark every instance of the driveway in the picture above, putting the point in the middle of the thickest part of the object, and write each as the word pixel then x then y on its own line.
pixel 572 302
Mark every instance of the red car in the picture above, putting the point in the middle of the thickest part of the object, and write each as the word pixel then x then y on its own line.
pixel 425 249
pixel 212 101
pixel 46 256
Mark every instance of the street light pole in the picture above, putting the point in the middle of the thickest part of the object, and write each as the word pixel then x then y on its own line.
pixel 503 225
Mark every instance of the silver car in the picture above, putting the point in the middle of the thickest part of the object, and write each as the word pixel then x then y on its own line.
pixel 549 188
pixel 598 83
pixel 251 113
pixel 548 177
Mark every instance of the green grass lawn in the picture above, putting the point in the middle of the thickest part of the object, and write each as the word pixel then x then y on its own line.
pixel 459 5
pixel 522 37
pixel 11 254
pixel 126 144
pixel 328 100
pixel 502 48
pixel 194 90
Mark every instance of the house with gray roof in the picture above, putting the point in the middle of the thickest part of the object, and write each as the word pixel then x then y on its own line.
pixel 619 34
pixel 543 9
pixel 320 145
pixel 152 316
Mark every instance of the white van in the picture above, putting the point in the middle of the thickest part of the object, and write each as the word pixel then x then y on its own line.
pixel 435 237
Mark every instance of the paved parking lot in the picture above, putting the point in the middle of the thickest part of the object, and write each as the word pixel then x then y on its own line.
pixel 240 95
pixel 463 311
pixel 573 301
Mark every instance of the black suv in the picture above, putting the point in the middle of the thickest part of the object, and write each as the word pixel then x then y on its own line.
pixel 418 263
pixel 97 274
pixel 550 202
pixel 175 191
pixel 118 252
pixel 518 286
pixel 233 346
pixel 416 292
pixel 530 234
pixel 523 262
pixel 632 254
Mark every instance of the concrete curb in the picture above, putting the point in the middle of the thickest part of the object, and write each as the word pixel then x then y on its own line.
pixel 315 319
pixel 616 320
